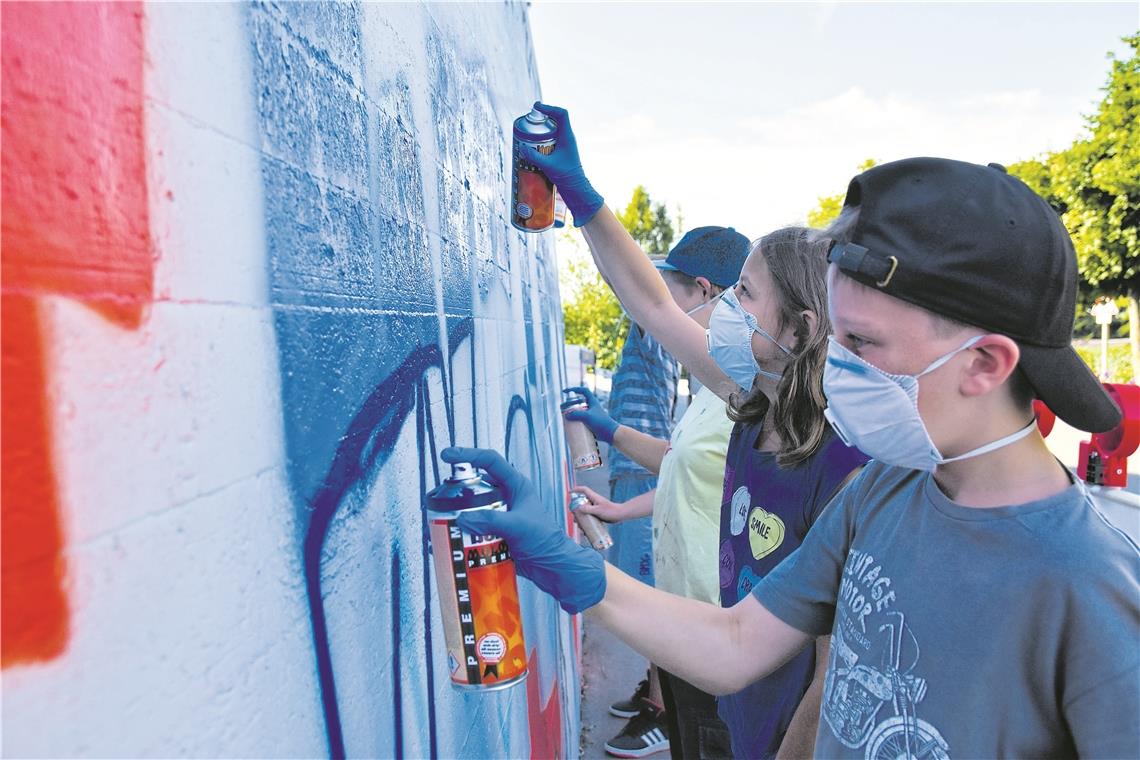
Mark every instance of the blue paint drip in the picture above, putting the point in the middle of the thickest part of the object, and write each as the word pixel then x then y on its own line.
pixel 365 446
pixel 397 696
pixel 424 421
pixel 342 233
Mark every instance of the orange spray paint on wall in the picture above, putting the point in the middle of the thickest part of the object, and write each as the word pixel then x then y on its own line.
pixel 75 224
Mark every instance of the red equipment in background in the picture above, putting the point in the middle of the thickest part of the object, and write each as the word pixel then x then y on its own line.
pixel 1045 418
pixel 1103 458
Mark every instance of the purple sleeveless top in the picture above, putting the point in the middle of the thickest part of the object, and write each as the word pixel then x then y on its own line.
pixel 765 514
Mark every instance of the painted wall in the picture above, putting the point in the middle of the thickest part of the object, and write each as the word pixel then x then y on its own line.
pixel 256 273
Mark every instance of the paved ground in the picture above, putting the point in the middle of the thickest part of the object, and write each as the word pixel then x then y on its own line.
pixel 610 669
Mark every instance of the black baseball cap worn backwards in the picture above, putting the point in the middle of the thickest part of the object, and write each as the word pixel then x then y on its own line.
pixel 975 244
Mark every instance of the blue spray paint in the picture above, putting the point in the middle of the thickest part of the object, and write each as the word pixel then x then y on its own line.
pixel 397 695
pixel 355 313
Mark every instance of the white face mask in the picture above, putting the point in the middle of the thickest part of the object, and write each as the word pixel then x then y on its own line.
pixel 729 340
pixel 877 412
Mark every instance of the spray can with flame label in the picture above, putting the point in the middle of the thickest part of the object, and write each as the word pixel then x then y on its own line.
pixel 594 529
pixel 532 194
pixel 584 451
pixel 478 590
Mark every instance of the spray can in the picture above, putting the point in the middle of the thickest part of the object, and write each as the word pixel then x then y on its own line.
pixel 478 590
pixel 532 194
pixel 596 532
pixel 559 210
pixel 584 452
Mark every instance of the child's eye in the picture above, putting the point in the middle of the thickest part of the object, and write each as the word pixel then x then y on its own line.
pixel 856 342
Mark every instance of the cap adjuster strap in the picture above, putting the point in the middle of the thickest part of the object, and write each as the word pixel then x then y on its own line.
pixel 856 259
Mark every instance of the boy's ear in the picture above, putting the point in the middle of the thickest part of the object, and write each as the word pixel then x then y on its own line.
pixel 706 285
pixel 994 358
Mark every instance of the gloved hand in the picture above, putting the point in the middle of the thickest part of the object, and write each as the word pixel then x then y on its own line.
pixel 574 575
pixel 563 167
pixel 601 424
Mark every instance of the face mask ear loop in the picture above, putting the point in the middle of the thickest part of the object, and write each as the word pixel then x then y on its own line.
pixel 994 445
pixel 947 357
pixel 754 325
pixel 697 308
pixel 775 342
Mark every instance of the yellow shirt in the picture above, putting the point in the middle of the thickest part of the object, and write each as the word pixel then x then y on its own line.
pixel 686 508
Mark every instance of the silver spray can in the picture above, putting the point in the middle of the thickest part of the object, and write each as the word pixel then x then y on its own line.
pixel 594 529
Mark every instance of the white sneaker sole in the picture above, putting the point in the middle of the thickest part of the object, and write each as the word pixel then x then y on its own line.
pixel 636 752
pixel 622 713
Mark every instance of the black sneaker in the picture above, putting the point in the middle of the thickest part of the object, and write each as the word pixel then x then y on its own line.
pixel 645 734
pixel 627 708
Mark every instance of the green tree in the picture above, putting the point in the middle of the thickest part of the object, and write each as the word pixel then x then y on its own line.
pixel 648 222
pixel 1095 186
pixel 592 315
pixel 828 207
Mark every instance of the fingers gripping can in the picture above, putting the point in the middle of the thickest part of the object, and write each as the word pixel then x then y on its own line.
pixel 596 532
pixel 532 194
pixel 478 590
pixel 584 452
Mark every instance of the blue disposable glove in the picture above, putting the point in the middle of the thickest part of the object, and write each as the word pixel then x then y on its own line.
pixel 601 424
pixel 543 553
pixel 563 167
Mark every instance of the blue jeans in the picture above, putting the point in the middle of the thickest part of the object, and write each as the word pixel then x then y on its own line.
pixel 632 552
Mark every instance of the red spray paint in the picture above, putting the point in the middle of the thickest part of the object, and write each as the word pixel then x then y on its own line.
pixel 74 223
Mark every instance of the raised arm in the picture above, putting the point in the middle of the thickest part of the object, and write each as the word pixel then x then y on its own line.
pixel 642 290
pixel 623 264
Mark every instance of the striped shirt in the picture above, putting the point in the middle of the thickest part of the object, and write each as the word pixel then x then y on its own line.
pixel 643 393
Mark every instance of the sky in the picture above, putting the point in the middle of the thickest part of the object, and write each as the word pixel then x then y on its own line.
pixel 743 114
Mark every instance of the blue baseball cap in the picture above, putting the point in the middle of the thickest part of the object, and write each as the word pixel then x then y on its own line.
pixel 715 253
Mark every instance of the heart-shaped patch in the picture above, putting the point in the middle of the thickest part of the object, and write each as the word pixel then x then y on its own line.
pixel 765 532
pixel 746 582
pixel 741 501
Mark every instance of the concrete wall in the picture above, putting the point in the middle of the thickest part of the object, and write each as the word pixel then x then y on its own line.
pixel 256 273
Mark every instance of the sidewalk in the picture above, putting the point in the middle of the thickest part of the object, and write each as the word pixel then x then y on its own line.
pixel 610 669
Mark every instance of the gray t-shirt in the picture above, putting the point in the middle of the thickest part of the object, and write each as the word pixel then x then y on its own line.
pixel 968 633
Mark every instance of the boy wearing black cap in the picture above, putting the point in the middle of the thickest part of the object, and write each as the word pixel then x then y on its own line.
pixel 978 602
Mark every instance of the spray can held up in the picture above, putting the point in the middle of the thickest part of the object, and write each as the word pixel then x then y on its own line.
pixel 477 587
pixel 584 452
pixel 532 194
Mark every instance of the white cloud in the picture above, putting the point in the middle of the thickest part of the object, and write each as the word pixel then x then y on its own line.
pixel 764 170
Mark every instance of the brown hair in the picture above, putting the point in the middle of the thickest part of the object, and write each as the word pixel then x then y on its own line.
pixel 797 261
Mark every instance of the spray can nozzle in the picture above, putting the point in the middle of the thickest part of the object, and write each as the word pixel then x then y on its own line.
pixel 462 471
